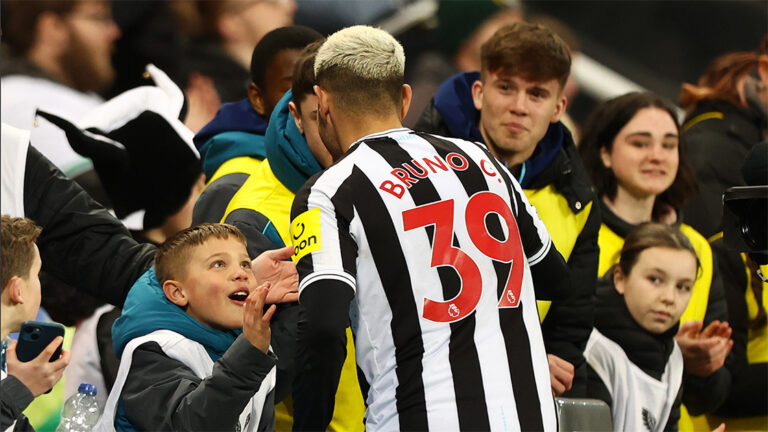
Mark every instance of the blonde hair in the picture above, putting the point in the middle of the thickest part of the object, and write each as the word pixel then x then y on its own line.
pixel 368 52
pixel 362 67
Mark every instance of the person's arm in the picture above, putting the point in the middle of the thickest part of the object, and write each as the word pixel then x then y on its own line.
pixel 14 399
pixel 322 350
pixel 161 393
pixel 82 243
pixel 705 347
pixel 569 322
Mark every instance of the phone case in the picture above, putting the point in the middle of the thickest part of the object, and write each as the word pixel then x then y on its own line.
pixel 34 337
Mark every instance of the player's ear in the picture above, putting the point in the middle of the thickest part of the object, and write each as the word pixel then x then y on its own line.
pixel 407 96
pixel 174 292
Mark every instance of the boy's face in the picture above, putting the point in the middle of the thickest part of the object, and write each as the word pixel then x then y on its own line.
pixel 515 113
pixel 31 288
pixel 305 116
pixel 658 287
pixel 217 281
pixel 278 77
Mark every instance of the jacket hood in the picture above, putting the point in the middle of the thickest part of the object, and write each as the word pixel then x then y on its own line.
pixel 454 102
pixel 146 309
pixel 237 130
pixel 289 156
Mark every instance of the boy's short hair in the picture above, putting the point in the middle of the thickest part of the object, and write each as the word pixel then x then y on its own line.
pixel 17 237
pixel 362 66
pixel 531 51
pixel 174 253
pixel 303 81
pixel 283 38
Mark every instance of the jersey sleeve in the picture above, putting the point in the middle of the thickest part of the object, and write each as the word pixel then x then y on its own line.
pixel 323 245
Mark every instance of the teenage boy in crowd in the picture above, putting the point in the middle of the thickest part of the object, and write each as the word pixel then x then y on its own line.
pixel 20 300
pixel 232 145
pixel 442 349
pixel 185 364
pixel 514 105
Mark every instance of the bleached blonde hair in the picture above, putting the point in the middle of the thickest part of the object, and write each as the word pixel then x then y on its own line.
pixel 364 68
pixel 367 52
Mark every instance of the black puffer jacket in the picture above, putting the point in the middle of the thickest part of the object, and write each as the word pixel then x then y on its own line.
pixel 81 243
pixel 719 135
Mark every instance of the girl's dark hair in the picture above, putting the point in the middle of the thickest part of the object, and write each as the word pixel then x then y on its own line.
pixel 600 130
pixel 648 235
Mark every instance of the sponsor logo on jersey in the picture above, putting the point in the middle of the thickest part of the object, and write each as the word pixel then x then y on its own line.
pixel 305 233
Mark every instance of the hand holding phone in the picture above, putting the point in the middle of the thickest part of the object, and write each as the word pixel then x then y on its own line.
pixel 38 374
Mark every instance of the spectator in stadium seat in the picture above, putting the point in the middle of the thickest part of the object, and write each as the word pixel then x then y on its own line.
pixel 514 105
pixel 419 243
pixel 635 365
pixel 232 144
pixel 20 301
pixel 56 56
pixel 632 149
pixel 184 362
pixel 727 114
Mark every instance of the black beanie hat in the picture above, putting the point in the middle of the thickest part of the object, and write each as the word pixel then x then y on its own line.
pixel 141 151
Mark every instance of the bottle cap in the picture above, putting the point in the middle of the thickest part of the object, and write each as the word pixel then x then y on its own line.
pixel 88 389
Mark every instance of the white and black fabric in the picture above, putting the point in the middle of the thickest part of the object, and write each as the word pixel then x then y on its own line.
pixel 194 372
pixel 433 249
pixel 640 401
pixel 141 151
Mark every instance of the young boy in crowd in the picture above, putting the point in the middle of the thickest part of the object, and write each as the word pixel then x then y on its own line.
pixel 185 364
pixel 20 300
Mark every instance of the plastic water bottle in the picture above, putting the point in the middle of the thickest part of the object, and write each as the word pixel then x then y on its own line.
pixel 81 411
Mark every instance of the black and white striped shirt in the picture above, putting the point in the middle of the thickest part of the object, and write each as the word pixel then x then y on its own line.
pixel 435 239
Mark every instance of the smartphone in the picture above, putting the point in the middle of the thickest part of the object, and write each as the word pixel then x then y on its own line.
pixel 35 336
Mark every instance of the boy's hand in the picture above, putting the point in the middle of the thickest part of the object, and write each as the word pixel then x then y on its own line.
pixel 38 374
pixel 255 321
pixel 271 267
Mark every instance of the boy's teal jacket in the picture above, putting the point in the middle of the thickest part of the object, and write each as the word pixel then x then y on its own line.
pixel 147 309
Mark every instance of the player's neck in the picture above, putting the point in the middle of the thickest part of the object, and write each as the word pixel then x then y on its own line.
pixel 353 129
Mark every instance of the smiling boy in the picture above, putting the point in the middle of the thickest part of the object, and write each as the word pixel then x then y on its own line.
pixel 184 364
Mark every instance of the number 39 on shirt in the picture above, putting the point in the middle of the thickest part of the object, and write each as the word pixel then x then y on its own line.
pixel 440 214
